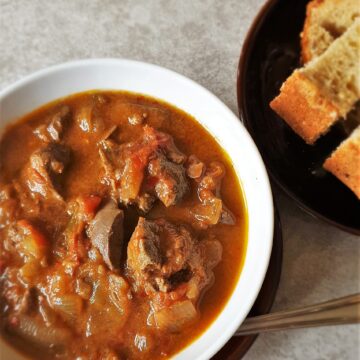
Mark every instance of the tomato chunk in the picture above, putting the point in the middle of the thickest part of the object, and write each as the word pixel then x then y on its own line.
pixel 90 204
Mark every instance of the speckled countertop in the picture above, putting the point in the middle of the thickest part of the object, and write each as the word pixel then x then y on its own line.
pixel 202 40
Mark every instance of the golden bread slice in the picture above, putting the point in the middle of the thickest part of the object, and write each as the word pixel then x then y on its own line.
pixel 325 21
pixel 325 89
pixel 344 162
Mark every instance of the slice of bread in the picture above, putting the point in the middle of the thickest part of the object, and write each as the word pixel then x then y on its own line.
pixel 325 89
pixel 344 162
pixel 325 21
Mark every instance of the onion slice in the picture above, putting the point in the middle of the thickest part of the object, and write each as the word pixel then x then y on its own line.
pixel 175 317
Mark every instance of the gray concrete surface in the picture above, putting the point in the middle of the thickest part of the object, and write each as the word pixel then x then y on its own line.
pixel 202 40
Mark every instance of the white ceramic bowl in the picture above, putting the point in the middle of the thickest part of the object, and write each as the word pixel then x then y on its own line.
pixel 65 79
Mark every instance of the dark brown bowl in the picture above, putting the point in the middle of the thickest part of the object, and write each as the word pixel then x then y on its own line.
pixel 270 53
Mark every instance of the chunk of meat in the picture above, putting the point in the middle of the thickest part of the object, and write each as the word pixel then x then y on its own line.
pixel 81 210
pixel 110 156
pixel 106 233
pixel 211 209
pixel 54 130
pixel 143 253
pixel 172 268
pixel 146 169
pixel 210 183
pixel 165 142
pixel 207 256
pixel 162 256
pixel 156 252
pixel 31 204
pixel 124 167
pixel 44 173
pixel 58 123
pixel 169 179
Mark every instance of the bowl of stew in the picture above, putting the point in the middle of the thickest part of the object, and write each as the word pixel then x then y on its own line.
pixel 136 215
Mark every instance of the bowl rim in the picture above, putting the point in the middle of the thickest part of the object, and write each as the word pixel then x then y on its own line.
pixel 227 332
pixel 241 69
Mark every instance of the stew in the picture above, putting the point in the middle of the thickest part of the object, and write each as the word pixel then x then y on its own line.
pixel 122 229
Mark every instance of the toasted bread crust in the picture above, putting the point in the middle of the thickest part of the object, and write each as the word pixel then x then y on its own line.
pixel 344 162
pixel 304 108
pixel 325 21
pixel 305 35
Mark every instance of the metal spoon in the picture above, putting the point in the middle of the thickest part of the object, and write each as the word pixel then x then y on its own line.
pixel 345 310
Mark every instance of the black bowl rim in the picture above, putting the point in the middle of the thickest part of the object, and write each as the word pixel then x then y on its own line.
pixel 245 51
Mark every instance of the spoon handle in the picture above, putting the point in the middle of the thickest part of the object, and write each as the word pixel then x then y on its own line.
pixel 345 310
